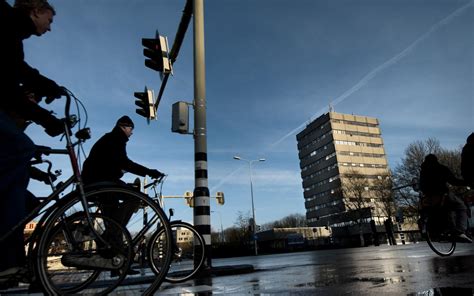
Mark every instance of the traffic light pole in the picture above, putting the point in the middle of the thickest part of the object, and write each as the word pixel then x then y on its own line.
pixel 202 210
pixel 178 40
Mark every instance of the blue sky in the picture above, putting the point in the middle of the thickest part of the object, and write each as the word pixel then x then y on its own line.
pixel 271 66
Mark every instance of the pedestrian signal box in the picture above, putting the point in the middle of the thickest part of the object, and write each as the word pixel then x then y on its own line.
pixel 180 118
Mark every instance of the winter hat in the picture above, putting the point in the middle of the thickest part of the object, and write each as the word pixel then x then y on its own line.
pixel 125 121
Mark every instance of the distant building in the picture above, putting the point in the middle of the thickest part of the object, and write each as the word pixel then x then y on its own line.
pixel 332 148
pixel 294 238
pixel 183 235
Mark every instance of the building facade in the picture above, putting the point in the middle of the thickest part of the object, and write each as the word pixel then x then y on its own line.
pixel 344 171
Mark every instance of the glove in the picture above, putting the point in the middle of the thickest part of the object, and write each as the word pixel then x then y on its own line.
pixel 155 174
pixel 55 94
pixel 51 90
pixel 53 126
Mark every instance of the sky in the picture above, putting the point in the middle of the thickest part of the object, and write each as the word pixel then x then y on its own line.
pixel 272 66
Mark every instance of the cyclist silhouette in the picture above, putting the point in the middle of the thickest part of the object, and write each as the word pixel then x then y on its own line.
pixel 107 162
pixel 467 161
pixel 434 178
pixel 26 18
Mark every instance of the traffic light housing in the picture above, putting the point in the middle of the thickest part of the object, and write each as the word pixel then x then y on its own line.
pixel 189 196
pixel 220 197
pixel 145 104
pixel 157 52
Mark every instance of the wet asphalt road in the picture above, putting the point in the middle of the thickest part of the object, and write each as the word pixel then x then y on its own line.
pixel 384 270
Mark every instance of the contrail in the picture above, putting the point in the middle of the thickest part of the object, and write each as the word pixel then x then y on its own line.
pixel 224 180
pixel 379 69
pixel 364 80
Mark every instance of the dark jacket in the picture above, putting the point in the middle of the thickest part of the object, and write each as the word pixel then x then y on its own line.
pixel 467 160
pixel 16 75
pixel 108 159
pixel 434 178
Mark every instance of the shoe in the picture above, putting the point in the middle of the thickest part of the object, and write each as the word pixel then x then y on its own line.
pixel 116 273
pixel 462 238
pixel 15 274
pixel 92 261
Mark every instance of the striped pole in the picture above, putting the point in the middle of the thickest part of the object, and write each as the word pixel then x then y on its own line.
pixel 202 211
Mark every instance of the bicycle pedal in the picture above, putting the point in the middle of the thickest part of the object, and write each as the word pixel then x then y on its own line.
pixel 92 261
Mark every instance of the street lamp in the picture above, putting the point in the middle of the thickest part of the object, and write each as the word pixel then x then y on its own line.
pixel 222 228
pixel 254 226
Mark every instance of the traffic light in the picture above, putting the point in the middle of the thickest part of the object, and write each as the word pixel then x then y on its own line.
pixel 220 197
pixel 146 104
pixel 157 51
pixel 189 196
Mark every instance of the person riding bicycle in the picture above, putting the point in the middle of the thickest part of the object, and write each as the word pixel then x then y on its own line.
pixel 434 178
pixel 467 161
pixel 108 161
pixel 26 18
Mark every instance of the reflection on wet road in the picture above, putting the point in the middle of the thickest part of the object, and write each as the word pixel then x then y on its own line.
pixel 385 270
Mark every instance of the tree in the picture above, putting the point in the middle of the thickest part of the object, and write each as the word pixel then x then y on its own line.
pixel 293 220
pixel 355 187
pixel 240 232
pixel 382 189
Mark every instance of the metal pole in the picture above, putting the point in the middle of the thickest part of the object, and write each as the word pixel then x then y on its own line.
pixel 221 235
pixel 253 211
pixel 222 229
pixel 202 217
pixel 178 40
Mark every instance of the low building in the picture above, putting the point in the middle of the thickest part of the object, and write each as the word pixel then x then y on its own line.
pixel 290 239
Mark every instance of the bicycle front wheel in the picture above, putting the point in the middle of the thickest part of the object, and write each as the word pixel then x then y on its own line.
pixel 188 253
pixel 440 240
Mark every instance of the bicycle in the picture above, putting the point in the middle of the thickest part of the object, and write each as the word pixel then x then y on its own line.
pixel 75 242
pixel 188 247
pixel 435 227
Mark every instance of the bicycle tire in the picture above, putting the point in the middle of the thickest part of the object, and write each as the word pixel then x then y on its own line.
pixel 59 242
pixel 94 274
pixel 186 263
pixel 142 223
pixel 440 241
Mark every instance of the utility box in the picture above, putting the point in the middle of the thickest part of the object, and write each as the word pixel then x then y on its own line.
pixel 180 118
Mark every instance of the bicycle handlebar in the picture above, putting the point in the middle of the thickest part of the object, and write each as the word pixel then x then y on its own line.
pixel 155 182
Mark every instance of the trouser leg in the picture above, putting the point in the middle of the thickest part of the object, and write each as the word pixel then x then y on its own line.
pixel 16 150
pixel 459 210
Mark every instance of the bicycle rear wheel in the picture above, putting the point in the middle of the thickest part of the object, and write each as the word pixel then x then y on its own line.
pixel 439 238
pixel 140 217
pixel 71 258
pixel 188 252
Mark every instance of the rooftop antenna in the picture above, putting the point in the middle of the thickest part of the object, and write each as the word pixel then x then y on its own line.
pixel 331 108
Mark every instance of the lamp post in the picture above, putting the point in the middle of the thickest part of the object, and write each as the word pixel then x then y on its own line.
pixel 254 226
pixel 222 228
